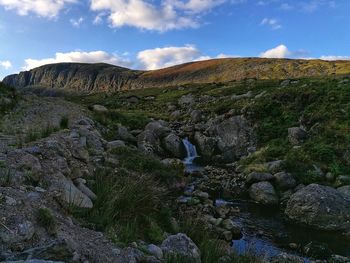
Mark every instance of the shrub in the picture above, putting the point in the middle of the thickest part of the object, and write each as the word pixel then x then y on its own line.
pixel 127 202
pixel 47 220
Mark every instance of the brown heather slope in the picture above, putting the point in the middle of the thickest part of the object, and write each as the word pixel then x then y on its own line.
pixel 104 77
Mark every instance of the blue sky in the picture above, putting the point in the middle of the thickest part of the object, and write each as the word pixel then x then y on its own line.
pixel 150 34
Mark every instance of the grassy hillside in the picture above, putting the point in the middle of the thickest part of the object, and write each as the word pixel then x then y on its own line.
pixel 321 105
pixel 7 97
pixel 103 77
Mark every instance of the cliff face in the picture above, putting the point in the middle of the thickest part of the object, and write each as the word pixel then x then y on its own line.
pixel 104 77
pixel 76 76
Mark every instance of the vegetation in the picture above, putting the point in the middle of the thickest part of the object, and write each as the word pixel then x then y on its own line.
pixel 321 105
pixel 8 98
pixel 47 220
pixel 132 200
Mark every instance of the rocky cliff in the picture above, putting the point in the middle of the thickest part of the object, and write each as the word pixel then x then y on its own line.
pixel 104 77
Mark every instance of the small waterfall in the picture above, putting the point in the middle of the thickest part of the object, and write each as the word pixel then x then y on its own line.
pixel 191 152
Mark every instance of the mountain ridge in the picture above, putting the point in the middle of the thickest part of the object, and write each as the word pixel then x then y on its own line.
pixel 102 77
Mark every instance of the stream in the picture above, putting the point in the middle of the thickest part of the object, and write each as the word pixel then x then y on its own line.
pixel 266 231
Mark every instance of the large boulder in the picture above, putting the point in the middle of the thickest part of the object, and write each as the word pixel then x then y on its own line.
pixel 234 136
pixel 159 128
pixel 148 142
pixel 173 144
pixel 321 207
pixel 181 246
pixel 263 193
pixel 206 145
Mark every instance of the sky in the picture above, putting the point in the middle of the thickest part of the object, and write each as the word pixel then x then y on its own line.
pixel 151 34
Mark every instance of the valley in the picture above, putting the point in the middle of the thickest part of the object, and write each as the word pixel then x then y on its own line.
pixel 184 164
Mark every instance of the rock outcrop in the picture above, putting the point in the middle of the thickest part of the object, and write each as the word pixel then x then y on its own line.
pixel 321 207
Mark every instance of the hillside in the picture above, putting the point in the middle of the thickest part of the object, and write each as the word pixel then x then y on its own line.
pixel 75 169
pixel 104 77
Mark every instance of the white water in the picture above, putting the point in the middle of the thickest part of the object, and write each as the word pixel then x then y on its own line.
pixel 191 152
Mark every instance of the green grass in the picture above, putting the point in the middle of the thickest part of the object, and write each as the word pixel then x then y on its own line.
pixel 130 202
pixel 8 98
pixel 133 160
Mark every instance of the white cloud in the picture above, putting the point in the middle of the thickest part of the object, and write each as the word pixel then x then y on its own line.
pixel 335 57
pixel 160 15
pixel 98 19
pixel 44 8
pixel 76 22
pixel 157 58
pixel 195 6
pixel 142 14
pixel 280 51
pixel 5 64
pixel 273 23
pixel 77 56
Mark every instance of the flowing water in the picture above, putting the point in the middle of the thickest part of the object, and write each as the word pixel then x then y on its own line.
pixel 267 231
pixel 191 156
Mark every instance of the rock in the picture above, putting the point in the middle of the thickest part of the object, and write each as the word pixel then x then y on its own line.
pixel 176 114
pixel 330 177
pixel 99 109
pixel 247 95
pixel 321 207
pixel 338 259
pixel 155 251
pixel 201 195
pixel 149 143
pixel 174 145
pixel 275 166
pixel 344 190
pixel 255 177
pixel 159 128
pixel 124 134
pixel 10 201
pixel 186 101
pixel 285 83
pixel 85 190
pixel 115 145
pixel 181 245
pixel 172 162
pixel 284 181
pixel 26 230
pixel 296 135
pixel 263 193
pixel 234 136
pixel 57 250
pixel 206 145
pixel 71 195
pixel 196 116
pixel 317 250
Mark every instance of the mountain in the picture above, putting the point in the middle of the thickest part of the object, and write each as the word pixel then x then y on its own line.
pixel 105 77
